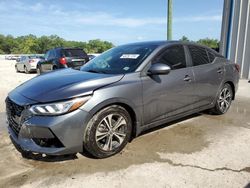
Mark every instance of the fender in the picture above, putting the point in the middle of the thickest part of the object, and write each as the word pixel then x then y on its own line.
pixel 121 101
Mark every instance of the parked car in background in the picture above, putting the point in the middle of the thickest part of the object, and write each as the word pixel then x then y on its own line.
pixel 27 64
pixel 58 58
pixel 117 96
pixel 8 57
pixel 12 57
pixel 15 57
pixel 18 58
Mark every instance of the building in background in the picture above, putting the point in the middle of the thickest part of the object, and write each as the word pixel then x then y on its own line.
pixel 235 34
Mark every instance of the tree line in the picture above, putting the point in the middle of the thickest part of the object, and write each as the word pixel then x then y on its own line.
pixel 211 43
pixel 30 44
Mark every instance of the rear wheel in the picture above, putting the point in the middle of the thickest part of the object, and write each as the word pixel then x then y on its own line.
pixel 39 70
pixel 54 67
pixel 108 132
pixel 26 70
pixel 16 69
pixel 224 100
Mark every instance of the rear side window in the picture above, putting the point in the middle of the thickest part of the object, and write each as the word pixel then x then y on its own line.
pixel 46 56
pixel 50 54
pixel 174 57
pixel 74 53
pixel 211 56
pixel 199 55
pixel 57 53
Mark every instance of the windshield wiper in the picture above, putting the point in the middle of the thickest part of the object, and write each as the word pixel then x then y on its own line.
pixel 95 71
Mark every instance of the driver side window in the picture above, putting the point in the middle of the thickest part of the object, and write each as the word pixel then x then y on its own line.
pixel 174 57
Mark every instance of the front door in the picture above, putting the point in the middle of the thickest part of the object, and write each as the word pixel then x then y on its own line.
pixel 20 64
pixel 168 95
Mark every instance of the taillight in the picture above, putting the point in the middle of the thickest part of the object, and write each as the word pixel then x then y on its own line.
pixel 63 61
pixel 31 61
pixel 237 67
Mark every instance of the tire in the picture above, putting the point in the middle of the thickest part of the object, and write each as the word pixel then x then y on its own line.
pixel 223 100
pixel 26 70
pixel 99 140
pixel 16 69
pixel 39 70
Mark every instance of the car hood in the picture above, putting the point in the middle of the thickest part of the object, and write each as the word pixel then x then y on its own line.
pixel 64 84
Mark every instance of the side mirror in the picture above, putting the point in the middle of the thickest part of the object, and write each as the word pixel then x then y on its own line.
pixel 159 68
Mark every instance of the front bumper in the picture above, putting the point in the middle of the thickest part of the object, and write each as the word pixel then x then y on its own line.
pixel 66 131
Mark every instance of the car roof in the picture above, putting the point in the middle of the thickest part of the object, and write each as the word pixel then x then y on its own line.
pixel 170 42
pixel 66 48
pixel 157 43
pixel 166 42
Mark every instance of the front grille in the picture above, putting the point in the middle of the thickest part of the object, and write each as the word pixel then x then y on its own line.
pixel 14 112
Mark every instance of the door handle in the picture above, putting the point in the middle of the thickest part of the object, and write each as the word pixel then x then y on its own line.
pixel 219 70
pixel 187 78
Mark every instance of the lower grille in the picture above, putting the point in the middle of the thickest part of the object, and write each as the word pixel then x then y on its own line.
pixel 14 112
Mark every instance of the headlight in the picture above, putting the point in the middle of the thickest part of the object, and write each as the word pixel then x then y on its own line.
pixel 58 108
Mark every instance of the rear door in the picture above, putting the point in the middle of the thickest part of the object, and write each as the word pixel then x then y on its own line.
pixel 168 95
pixel 22 63
pixel 208 75
pixel 19 64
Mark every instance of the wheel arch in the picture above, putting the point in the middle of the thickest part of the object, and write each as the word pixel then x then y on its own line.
pixel 132 115
pixel 232 86
pixel 127 106
pixel 54 67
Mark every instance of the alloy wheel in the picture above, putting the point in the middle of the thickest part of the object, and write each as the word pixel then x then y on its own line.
pixel 224 99
pixel 111 132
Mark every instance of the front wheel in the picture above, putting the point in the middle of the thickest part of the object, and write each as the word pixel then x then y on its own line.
pixel 108 132
pixel 224 100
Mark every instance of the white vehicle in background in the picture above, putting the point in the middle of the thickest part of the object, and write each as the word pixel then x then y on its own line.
pixel 27 63
pixel 8 57
pixel 12 57
pixel 15 57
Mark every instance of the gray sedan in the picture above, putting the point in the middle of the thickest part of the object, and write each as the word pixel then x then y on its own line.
pixel 118 95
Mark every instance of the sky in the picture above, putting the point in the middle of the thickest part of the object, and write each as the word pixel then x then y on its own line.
pixel 118 21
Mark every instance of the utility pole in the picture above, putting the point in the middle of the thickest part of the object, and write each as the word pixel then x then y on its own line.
pixel 170 15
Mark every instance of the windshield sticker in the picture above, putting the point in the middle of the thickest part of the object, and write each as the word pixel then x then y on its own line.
pixel 126 68
pixel 129 56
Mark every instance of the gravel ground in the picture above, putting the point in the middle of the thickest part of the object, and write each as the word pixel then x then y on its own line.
pixel 199 151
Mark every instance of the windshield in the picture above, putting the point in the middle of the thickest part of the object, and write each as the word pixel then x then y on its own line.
pixel 119 60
